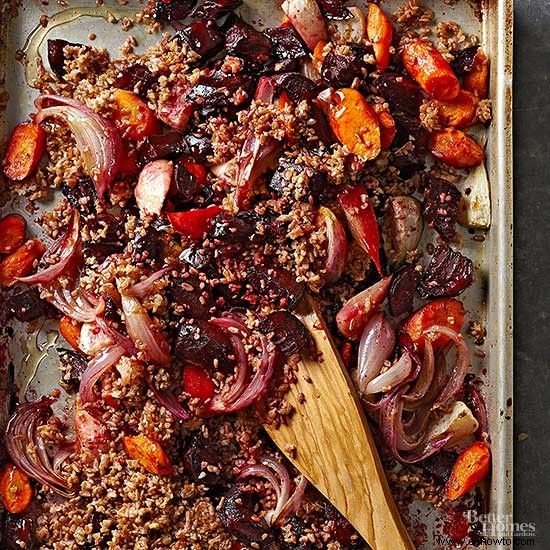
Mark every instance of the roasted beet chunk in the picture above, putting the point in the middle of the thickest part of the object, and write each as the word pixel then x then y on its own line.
pixel 136 78
pixel 73 365
pixel 287 332
pixel 192 296
pixel 296 86
pixel 343 531
pixel 287 43
pixel 205 345
pixel 198 258
pixel 200 458
pixel 203 37
pixel 440 207
pixel 410 129
pixel 185 183
pixel 27 305
pixel 448 274
pixel 246 226
pixel 275 285
pixel 463 61
pixel 161 146
pixel 17 532
pixel 207 99
pixel 402 93
pixel 322 128
pixel 172 10
pixel 402 289
pixel 298 530
pixel 215 9
pixel 109 226
pixel 313 181
pixel 200 147
pixel 340 70
pixel 232 81
pixel 408 164
pixel 56 55
pixel 245 41
pixel 238 517
pixel 147 246
pixel 82 195
pixel 439 465
pixel 334 9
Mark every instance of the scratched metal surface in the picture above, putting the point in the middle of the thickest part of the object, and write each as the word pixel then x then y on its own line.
pixel 489 300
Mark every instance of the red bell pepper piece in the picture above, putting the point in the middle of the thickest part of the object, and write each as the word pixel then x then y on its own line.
pixel 471 466
pixel 362 222
pixel 197 383
pixel 194 223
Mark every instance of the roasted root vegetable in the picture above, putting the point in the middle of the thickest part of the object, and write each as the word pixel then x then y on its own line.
pixel 349 30
pixel 471 466
pixel 319 54
pixel 15 489
pixel 133 117
pixel 475 205
pixel 194 223
pixel 428 67
pixel 12 233
pixel 455 148
pixel 459 112
pixel 20 262
pixel 148 453
pixel 362 222
pixel 25 149
pixel 197 383
pixel 387 127
pixel 380 34
pixel 307 19
pixel 477 80
pixel 70 330
pixel 446 312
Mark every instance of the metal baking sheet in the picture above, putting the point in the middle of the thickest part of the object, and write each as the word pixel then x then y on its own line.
pixel 489 301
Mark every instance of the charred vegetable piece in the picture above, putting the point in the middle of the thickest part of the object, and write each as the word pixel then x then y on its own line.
pixel 190 294
pixel 287 332
pixel 20 262
pixel 448 274
pixel 277 285
pixel 314 180
pixel 197 383
pixel 198 456
pixel 439 465
pixel 243 40
pixel 13 228
pixel 26 146
pixel 56 55
pixel 27 305
pixel 168 145
pixel 148 453
pixel 455 148
pixel 148 246
pixel 341 70
pixel 334 9
pixel 194 223
pixel 477 80
pixel 203 37
pixel 172 10
pixel 215 9
pixel 464 59
pixel 446 312
pixel 17 532
pixel 471 467
pixel 70 330
pixel 15 489
pixel 307 19
pixel 380 33
pixel 135 78
pixel 286 43
pixel 199 146
pixel 81 195
pixel 409 129
pixel 402 93
pixel 189 178
pixel 133 117
pixel 428 67
pixel 441 200
pixel 402 290
pixel 296 86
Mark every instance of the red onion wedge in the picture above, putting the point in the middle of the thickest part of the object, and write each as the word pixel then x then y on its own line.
pixel 119 338
pixel 476 403
pixel 74 304
pixel 61 455
pixel 153 186
pixel 307 19
pixel 26 447
pixel 64 251
pixel 142 331
pixel 169 401
pixel 93 339
pixel 145 287
pixel 337 245
pixel 355 313
pixel 100 364
pixel 91 433
pixel 391 378
pixel 96 137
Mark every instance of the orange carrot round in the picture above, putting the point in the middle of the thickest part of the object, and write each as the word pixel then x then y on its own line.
pixel 20 262
pixel 455 148
pixel 471 466
pixel 25 149
pixel 15 489
pixel 12 232
pixel 148 453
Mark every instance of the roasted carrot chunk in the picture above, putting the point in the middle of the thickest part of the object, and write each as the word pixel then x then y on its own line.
pixel 477 80
pixel 459 112
pixel 25 149
pixel 319 55
pixel 428 67
pixel 70 330
pixel 355 123
pixel 380 33
pixel 197 383
pixel 12 233
pixel 455 148
pixel 387 127
pixel 15 489
pixel 446 312
pixel 20 262
pixel 133 117
pixel 471 466
pixel 148 453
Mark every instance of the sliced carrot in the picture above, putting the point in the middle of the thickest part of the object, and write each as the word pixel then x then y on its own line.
pixel 20 262
pixel 319 55
pixel 471 466
pixel 25 149
pixel 12 233
pixel 15 489
pixel 148 453
pixel 387 127
pixel 455 148
pixel 459 112
pixel 133 117
pixel 477 80
pixel 380 33
pixel 70 330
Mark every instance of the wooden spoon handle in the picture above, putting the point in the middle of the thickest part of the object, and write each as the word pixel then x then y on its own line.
pixel 328 440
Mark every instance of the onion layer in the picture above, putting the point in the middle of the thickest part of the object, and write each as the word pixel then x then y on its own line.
pixel 168 400
pixel 389 379
pixel 96 368
pixel 337 245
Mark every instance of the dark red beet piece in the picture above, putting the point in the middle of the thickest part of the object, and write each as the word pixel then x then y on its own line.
pixel 275 285
pixel 410 129
pixel 194 297
pixel 198 258
pixel 322 128
pixel 243 40
pixel 296 86
pixel 185 184
pixel 334 9
pixel 343 531
pixel 448 274
pixel 198 455
pixel 75 364
pixel 287 332
pixel 315 181
pixel 287 43
pixel 340 70
pixel 463 61
pixel 476 403
pixel 202 343
pixel 136 78
pixel 112 225
pixel 246 226
pixel 148 248
pixel 101 250
pixel 27 305
pixel 172 10
pixel 203 37
pixel 298 528
pixel 17 532
pixel 56 55
pixel 402 93
pixel 232 81
pixel 215 9
pixel 439 465
pixel 82 195
pixel 440 207
pixel 207 99
pixel 408 164
pixel 200 147
pixel 402 289
pixel 161 146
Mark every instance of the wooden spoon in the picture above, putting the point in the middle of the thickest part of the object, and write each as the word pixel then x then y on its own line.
pixel 328 440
